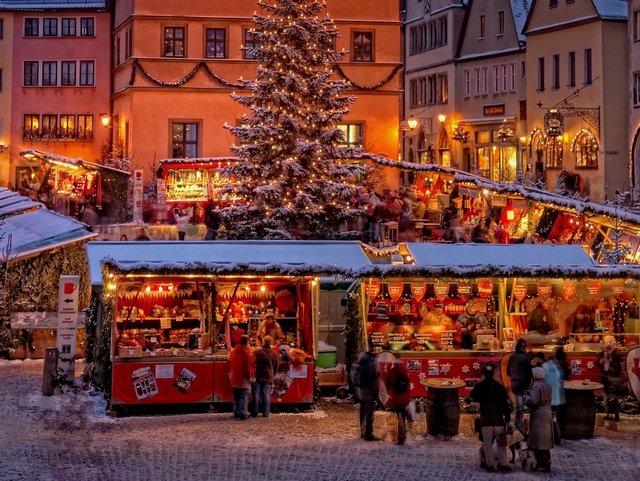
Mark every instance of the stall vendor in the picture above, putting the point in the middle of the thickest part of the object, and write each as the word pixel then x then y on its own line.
pixel 540 319
pixel 270 327
pixel 236 334
pixel 472 323
pixel 437 317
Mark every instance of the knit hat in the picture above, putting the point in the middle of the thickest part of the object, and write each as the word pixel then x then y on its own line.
pixel 538 373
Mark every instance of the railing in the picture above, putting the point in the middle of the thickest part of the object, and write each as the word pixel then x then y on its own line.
pixel 44 135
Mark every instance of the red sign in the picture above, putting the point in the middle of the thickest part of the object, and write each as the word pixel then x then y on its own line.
pixel 485 287
pixel 464 291
pixel 594 288
pixel 520 292
pixel 441 289
pixel 373 288
pixel 544 290
pixel 418 289
pixel 395 290
pixel 569 290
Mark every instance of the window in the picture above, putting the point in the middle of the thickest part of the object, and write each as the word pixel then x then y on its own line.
pixel 413 93
pixel 87 28
pixel 362 46
pixel 442 86
pixel 505 78
pixel 553 3
pixel 0 80
pixel 556 71
pixel 501 23
pixel 422 91
pixel 49 74
pixel 585 149
pixel 636 89
pixel 467 83
pixel 418 39
pixel 553 151
pixel 31 126
pixel 67 73
pixel 31 27
pixel 485 81
pixel 572 69
pixel 636 25
pixel 512 77
pixel 85 127
pixel 496 79
pixel 67 126
pixel 174 41
pixel 216 43
pixel 184 138
pixel 87 72
pixel 49 126
pixel 117 50
pixel 483 26
pixel 351 135
pixel 1 28
pixel 477 88
pixel 30 74
pixel 252 43
pixel 49 27
pixel 128 48
pixel 438 33
pixel 68 27
pixel 540 73
pixel 588 67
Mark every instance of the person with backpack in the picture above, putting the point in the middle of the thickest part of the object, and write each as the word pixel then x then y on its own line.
pixel 364 375
pixel 398 388
pixel 495 414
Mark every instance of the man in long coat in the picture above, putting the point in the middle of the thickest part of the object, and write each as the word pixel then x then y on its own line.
pixel 541 421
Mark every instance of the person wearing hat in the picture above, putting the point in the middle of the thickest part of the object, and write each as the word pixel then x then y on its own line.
pixel 472 323
pixel 495 413
pixel 267 363
pixel 540 421
pixel 270 327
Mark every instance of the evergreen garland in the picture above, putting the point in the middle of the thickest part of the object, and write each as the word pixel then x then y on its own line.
pixel 355 337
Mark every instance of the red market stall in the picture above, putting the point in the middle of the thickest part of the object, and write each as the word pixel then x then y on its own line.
pixel 172 323
pixel 450 308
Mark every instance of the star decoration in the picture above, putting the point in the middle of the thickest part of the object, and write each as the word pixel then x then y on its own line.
pixel 465 369
pixel 476 366
pixel 589 364
pixel 445 368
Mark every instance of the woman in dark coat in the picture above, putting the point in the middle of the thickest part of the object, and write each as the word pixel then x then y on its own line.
pixel 519 371
pixel 541 421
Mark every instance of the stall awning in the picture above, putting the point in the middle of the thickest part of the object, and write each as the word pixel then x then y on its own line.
pixel 289 258
pixel 30 228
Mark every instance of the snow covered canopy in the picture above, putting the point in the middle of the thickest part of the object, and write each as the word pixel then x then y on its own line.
pixel 502 260
pixel 30 228
pixel 288 258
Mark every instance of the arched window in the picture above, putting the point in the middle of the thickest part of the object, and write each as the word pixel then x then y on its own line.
pixel 585 149
pixel 553 152
pixel 537 142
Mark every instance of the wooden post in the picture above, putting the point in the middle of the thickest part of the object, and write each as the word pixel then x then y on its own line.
pixel 50 371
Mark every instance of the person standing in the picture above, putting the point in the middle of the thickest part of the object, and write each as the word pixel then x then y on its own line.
pixel 541 421
pixel 519 371
pixel 241 376
pixel 267 363
pixel 364 374
pixel 211 220
pixel 182 220
pixel 495 413
pixel 270 327
pixel 556 372
pixel 615 387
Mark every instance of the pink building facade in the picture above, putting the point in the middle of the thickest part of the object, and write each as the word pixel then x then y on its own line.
pixel 61 81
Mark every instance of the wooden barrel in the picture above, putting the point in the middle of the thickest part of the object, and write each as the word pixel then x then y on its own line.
pixel 443 411
pixel 579 417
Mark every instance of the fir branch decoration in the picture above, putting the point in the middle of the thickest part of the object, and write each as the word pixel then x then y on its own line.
pixel 360 86
pixel 136 66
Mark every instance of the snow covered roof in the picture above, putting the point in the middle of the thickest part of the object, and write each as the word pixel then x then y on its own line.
pixel 32 228
pixel 50 4
pixel 63 161
pixel 196 160
pixel 520 10
pixel 502 260
pixel 289 258
pixel 611 9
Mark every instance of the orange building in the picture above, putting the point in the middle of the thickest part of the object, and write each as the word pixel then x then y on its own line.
pixel 60 82
pixel 177 64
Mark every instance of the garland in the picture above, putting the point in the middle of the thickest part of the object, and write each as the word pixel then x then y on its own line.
pixel 376 86
pixel 136 66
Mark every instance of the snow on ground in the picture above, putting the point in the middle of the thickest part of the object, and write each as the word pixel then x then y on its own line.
pixel 70 436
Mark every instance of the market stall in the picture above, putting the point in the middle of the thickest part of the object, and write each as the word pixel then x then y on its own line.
pixel 190 183
pixel 90 192
pixel 449 308
pixel 171 324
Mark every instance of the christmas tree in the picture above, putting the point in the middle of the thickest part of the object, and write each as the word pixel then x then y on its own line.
pixel 293 178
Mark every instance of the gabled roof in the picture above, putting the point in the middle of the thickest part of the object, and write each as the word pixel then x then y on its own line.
pixel 31 228
pixel 520 10
pixel 611 9
pixel 286 258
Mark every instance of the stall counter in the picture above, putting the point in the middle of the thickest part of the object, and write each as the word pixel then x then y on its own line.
pixel 162 381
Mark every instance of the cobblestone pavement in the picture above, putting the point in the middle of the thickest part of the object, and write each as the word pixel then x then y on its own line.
pixel 69 437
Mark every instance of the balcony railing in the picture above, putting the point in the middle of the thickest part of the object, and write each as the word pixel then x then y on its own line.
pixel 53 134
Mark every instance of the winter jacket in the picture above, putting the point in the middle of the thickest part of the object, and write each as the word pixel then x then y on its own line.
pixel 182 221
pixel 541 419
pixel 397 399
pixel 241 367
pixel 554 376
pixel 368 392
pixel 267 362
pixel 519 370
pixel 495 409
